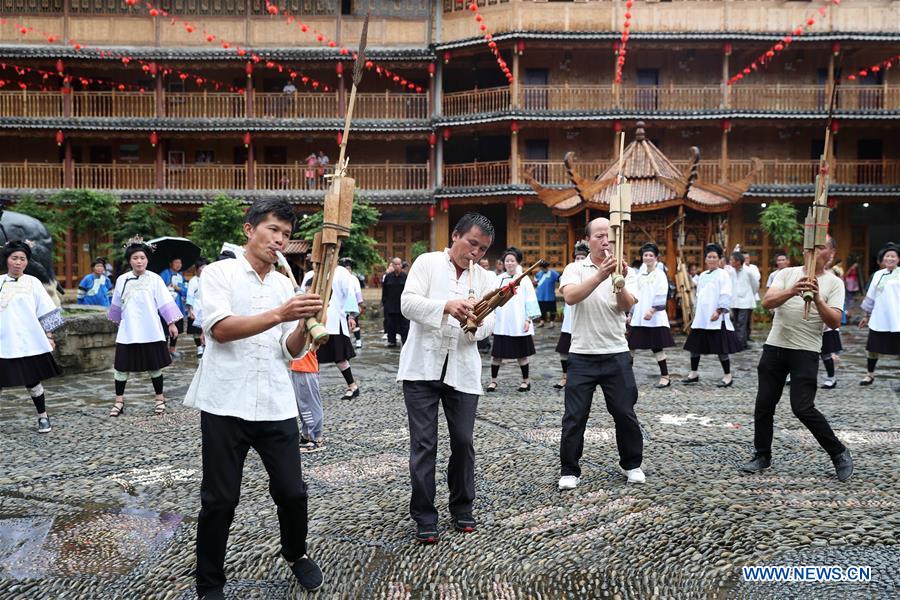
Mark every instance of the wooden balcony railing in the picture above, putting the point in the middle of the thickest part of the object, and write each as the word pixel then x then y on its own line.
pixel 384 176
pixel 114 176
pixel 391 106
pixel 476 101
pixel 216 105
pixel 113 104
pixel 553 172
pixel 205 177
pixel 477 174
pixel 321 105
pixel 28 175
pixel 26 103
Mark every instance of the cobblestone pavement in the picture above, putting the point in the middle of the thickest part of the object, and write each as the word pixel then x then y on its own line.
pixel 106 508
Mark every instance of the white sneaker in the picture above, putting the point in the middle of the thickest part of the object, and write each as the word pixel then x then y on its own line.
pixel 568 482
pixel 635 475
pixel 358 343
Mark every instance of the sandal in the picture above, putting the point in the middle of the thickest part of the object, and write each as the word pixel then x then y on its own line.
pixel 491 387
pixel 662 385
pixel 350 394
pixel 524 387
pixel 117 409
pixel 867 380
pixel 160 406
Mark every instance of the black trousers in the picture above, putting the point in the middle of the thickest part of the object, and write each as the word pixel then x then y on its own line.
pixel 422 399
pixel 396 323
pixel 612 372
pixel 741 320
pixel 226 441
pixel 803 366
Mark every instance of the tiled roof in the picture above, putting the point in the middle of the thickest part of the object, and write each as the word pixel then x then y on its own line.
pixel 172 124
pixel 418 54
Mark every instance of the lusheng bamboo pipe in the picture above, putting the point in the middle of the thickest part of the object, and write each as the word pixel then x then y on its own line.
pixel 619 214
pixel 496 298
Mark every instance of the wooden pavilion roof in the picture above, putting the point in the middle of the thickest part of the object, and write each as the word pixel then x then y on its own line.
pixel 656 183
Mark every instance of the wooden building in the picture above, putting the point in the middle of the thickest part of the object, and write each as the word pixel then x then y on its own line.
pixel 179 107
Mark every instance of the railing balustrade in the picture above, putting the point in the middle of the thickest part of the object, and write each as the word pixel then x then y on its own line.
pixel 27 175
pixel 28 103
pixel 277 105
pixel 476 101
pixel 391 106
pixel 477 174
pixel 113 104
pixel 114 176
pixel 204 177
pixel 199 105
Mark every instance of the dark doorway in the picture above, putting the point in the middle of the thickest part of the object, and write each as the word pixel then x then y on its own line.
pixel 240 155
pixel 496 212
pixel 101 154
pixel 535 98
pixel 872 97
pixel 416 155
pixel 869 173
pixel 275 155
pixel 647 95
pixel 538 150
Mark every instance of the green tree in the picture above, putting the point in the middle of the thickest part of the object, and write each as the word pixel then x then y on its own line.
pixel 360 246
pixel 417 249
pixel 45 213
pixel 220 221
pixel 144 219
pixel 89 212
pixel 779 221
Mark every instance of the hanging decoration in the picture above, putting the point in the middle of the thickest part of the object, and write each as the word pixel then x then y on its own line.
pixel 154 139
pixel 884 65
pixel 432 139
pixel 431 212
pixel 766 57
pixel 60 137
pixel 623 42
pixel 247 139
pixel 492 45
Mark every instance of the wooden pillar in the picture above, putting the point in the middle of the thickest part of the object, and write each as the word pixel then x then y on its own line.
pixel 249 109
pixel 70 282
pixel 571 237
pixel 251 168
pixel 514 88
pixel 723 156
pixel 514 157
pixel 513 234
pixel 68 167
pixel 342 96
pixel 726 89
pixel 439 162
pixel 159 96
pixel 440 230
pixel 159 167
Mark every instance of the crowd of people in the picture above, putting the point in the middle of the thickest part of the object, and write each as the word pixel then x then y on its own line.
pixel 257 381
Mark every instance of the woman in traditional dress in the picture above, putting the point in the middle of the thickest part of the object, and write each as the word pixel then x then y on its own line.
pixel 565 332
pixel 831 338
pixel 649 321
pixel 140 295
pixel 711 330
pixel 513 327
pixel 882 308
pixel 28 319
pixel 96 288
pixel 194 310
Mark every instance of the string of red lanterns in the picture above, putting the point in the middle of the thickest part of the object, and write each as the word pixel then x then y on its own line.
pixel 622 50
pixel 254 57
pixel 323 39
pixel 876 68
pixel 492 45
pixel 22 71
pixel 779 46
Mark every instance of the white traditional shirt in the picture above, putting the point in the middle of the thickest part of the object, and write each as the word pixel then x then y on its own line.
pixel 744 286
pixel 598 326
pixel 435 337
pixel 26 315
pixel 135 304
pixel 193 299
pixel 653 292
pixel 341 290
pixel 509 319
pixel 882 301
pixel 713 292
pixel 566 326
pixel 754 270
pixel 355 297
pixel 247 378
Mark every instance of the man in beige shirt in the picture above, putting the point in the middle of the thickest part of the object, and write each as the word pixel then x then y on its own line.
pixel 599 356
pixel 792 348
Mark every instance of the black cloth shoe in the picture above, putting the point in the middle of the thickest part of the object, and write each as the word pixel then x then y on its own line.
pixel 464 522
pixel 758 463
pixel 427 534
pixel 690 380
pixel 843 465
pixel 213 595
pixel 308 574
pixel 723 384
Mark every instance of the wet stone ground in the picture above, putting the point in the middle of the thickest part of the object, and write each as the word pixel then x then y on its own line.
pixel 106 508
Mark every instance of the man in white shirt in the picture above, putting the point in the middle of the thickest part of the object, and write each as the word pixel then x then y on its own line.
pixel 781 262
pixel 744 287
pixel 599 355
pixel 243 389
pixel 440 364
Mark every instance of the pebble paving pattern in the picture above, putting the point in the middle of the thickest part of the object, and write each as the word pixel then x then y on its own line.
pixel 106 508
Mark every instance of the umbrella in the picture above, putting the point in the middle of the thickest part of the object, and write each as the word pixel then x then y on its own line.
pixel 170 248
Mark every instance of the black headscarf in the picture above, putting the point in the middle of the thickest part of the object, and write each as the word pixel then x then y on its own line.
pixel 16 246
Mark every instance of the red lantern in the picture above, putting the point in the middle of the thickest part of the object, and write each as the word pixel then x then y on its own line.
pixel 726 48
pixel 520 202
pixel 447 56
pixel 617 127
pixel 514 127
pixel 836 48
pixel 726 125
pixel 431 69
pixel 153 69
pixel 60 137
pixel 431 212
pixel 248 69
pixel 340 138
pixel 432 139
pixel 60 67
pixel 339 69
pixel 247 139
pixel 520 47
pixel 445 204
pixel 154 139
pixel 835 126
pixel 446 133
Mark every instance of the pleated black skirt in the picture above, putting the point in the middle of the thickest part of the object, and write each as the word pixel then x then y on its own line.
pixel 564 343
pixel 650 338
pixel 137 358
pixel 27 370
pixel 512 346
pixel 831 342
pixel 712 341
pixel 883 342
pixel 337 349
